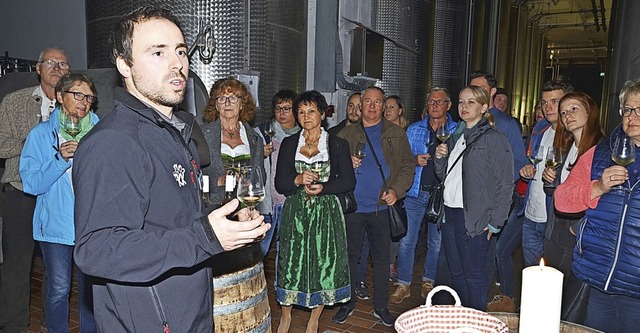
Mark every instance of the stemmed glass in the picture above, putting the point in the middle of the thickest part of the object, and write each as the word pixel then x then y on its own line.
pixel 535 156
pixel 623 153
pixel 442 133
pixel 71 125
pixel 250 189
pixel 317 166
pixel 554 158
pixel 269 129
pixel 360 153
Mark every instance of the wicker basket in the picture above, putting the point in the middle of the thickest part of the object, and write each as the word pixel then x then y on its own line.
pixel 430 318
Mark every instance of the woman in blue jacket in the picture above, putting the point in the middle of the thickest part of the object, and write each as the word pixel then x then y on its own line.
pixel 45 168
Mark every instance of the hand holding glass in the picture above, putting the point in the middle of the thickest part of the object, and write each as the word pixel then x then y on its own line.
pixel 623 154
pixel 360 153
pixel 442 133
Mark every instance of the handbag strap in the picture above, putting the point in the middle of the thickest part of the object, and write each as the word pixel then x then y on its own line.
pixel 462 153
pixel 384 181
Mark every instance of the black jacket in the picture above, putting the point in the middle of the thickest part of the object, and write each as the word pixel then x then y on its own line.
pixel 139 229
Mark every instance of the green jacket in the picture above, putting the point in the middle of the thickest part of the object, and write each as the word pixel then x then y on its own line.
pixel 397 153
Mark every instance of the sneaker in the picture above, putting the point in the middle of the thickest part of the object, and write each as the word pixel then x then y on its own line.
pixel 393 273
pixel 362 291
pixel 385 317
pixel 502 303
pixel 341 316
pixel 427 286
pixel 400 294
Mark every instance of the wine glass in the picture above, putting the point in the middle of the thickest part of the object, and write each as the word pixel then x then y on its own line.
pixel 269 129
pixel 250 189
pixel 623 153
pixel 360 153
pixel 71 125
pixel 534 154
pixel 554 158
pixel 442 133
pixel 317 166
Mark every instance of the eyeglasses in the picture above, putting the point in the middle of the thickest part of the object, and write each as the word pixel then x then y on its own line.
pixel 78 96
pixel 284 109
pixel 553 102
pixel 626 112
pixel 224 99
pixel 439 102
pixel 52 63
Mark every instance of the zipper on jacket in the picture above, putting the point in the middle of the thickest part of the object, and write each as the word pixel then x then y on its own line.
pixel 156 301
pixel 618 241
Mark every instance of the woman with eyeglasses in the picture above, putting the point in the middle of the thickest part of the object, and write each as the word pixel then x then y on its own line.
pixel 234 145
pixel 45 168
pixel 607 252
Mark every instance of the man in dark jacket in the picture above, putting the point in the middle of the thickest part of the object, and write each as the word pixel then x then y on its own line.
pixel 137 184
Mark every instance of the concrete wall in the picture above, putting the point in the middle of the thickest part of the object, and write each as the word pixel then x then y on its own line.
pixel 28 26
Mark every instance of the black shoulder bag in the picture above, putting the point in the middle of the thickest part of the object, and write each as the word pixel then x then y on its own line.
pixel 397 213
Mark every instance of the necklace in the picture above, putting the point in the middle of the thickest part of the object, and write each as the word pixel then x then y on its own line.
pixel 231 133
pixel 310 143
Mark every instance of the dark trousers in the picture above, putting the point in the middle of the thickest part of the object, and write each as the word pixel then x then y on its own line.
pixel 467 258
pixel 376 225
pixel 17 246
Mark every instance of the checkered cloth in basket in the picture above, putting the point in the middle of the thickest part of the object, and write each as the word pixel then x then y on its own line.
pixel 431 318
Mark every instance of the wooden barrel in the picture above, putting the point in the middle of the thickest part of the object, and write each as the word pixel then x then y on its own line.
pixel 513 321
pixel 240 301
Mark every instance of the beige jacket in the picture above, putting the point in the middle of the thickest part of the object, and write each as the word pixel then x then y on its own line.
pixel 19 113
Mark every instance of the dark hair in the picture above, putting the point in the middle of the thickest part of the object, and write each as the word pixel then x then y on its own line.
pixel 559 83
pixel 69 80
pixel 500 91
pixel 311 96
pixel 491 80
pixel 230 85
pixel 284 95
pixel 121 38
pixel 592 132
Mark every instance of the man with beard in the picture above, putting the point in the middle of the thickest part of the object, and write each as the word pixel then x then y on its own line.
pixel 139 226
pixel 19 112
pixel 353 114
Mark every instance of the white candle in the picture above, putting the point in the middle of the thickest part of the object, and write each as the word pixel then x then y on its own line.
pixel 541 299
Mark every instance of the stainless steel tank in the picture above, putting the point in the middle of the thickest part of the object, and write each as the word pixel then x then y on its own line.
pixel 266 36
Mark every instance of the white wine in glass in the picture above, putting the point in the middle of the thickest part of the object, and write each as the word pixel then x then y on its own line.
pixel 442 134
pixel 250 189
pixel 624 152
pixel 270 130
pixel 554 158
pixel 359 152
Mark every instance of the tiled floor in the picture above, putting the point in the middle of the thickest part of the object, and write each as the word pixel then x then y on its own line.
pixel 362 319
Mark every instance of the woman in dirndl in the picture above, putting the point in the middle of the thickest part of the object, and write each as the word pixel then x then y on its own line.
pixel 312 268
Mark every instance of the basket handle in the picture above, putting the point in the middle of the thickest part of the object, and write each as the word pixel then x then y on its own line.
pixel 440 288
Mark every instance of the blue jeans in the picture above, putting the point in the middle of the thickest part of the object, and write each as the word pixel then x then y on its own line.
pixel 58 265
pixel 532 241
pixel 467 258
pixel 415 208
pixel 508 241
pixel 274 219
pixel 612 313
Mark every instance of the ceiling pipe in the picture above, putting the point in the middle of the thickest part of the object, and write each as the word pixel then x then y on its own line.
pixel 604 18
pixel 595 14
